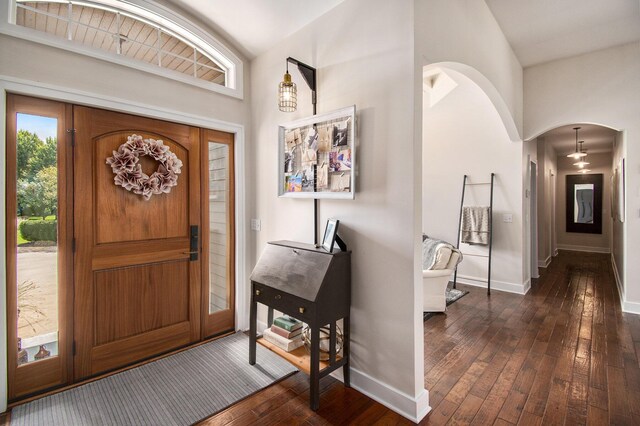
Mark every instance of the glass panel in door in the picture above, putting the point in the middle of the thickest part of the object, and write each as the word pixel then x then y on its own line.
pixel 218 227
pixel 218 233
pixel 37 235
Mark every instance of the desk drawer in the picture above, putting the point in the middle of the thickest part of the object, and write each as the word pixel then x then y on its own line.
pixel 286 303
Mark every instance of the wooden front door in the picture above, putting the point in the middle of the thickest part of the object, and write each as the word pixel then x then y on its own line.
pixel 137 262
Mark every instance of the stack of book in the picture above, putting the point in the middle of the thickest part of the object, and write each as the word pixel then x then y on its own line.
pixel 285 333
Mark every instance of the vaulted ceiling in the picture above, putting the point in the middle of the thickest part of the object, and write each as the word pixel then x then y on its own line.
pixel 538 30
pixel 544 30
pixel 254 26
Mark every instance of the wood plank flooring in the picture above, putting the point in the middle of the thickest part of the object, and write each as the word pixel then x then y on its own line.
pixel 562 354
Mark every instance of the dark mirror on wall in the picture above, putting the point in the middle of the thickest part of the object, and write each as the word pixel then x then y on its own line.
pixel 584 203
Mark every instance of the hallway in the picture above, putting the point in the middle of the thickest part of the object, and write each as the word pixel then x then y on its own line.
pixel 564 353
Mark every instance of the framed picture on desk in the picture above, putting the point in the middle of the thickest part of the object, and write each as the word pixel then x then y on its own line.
pixel 330 232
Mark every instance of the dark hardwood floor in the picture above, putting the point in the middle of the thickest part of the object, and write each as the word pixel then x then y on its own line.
pixel 562 354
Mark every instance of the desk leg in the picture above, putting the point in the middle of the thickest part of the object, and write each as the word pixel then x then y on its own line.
pixel 332 343
pixel 314 380
pixel 253 311
pixel 270 317
pixel 346 372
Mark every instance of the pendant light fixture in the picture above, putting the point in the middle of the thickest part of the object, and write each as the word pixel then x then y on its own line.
pixel 578 154
pixel 581 161
pixel 288 93
pixel 288 102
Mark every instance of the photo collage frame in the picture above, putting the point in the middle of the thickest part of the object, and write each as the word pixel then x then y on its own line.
pixel 317 156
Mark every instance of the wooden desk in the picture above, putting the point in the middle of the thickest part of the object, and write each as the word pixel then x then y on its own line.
pixel 314 286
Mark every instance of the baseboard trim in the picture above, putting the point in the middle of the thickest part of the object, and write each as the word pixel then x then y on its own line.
pixel 555 252
pixel 616 275
pixel 584 248
pixel 414 409
pixel 628 307
pixel 631 307
pixel 495 285
pixel 544 263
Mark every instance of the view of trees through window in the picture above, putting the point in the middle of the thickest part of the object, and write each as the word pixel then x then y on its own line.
pixel 37 180
pixel 37 251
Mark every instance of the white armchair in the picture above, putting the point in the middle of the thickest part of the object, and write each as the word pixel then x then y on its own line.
pixel 435 280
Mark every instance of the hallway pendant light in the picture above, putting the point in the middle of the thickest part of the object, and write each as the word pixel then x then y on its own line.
pixel 288 93
pixel 581 164
pixel 578 153
pixel 584 171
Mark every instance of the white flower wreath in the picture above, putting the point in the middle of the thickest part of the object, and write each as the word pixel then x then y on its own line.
pixel 125 165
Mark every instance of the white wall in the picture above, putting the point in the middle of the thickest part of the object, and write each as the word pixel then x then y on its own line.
pixel 93 79
pixel 529 154
pixel 547 170
pixel 463 35
pixel 463 134
pixel 601 243
pixel 603 88
pixel 617 227
pixel 364 56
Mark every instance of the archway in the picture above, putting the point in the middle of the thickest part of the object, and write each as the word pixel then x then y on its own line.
pixel 487 87
pixel 603 144
pixel 467 130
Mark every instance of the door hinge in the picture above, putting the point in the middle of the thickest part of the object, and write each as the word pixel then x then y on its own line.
pixel 73 348
pixel 73 136
pixel 73 245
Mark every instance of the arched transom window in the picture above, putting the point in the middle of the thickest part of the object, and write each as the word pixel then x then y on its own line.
pixel 131 34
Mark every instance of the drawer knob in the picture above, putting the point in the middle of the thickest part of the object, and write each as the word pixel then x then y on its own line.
pixel 301 310
pixel 257 292
pixel 278 297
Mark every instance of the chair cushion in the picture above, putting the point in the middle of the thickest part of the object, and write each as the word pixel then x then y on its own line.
pixel 453 260
pixel 442 258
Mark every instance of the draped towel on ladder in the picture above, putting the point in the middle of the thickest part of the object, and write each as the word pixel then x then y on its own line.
pixel 475 225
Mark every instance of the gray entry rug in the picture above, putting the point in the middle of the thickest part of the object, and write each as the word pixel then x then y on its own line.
pixel 451 296
pixel 180 389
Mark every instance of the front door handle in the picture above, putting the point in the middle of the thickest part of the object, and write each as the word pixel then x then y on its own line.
pixel 193 243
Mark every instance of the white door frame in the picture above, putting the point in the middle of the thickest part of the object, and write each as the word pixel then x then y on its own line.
pixel 64 94
pixel 533 214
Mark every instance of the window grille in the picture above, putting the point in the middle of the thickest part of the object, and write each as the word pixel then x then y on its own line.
pixel 120 33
